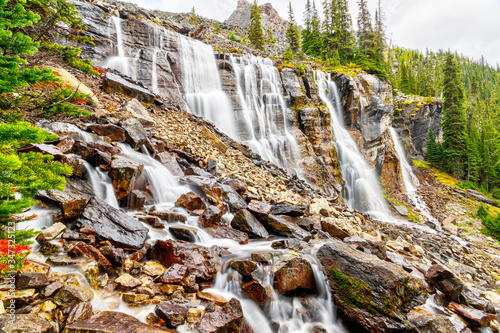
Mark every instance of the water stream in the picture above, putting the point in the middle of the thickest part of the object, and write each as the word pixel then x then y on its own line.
pixel 411 181
pixel 362 190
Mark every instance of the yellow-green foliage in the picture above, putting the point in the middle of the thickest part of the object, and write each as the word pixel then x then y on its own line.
pixel 439 176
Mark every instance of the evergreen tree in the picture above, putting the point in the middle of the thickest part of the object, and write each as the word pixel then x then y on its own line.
pixel 454 121
pixel 292 32
pixel 432 154
pixel 307 30
pixel 346 38
pixel 255 33
pixel 379 33
pixel 366 35
pixel 311 37
pixel 193 17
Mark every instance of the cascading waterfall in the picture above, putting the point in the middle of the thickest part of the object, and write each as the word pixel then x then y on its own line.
pixel 202 86
pixel 362 190
pixel 411 181
pixel 119 60
pixel 264 111
pixel 102 185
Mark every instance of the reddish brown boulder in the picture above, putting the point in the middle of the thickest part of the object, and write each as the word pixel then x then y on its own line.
pixel 293 275
pixel 258 291
pixel 113 132
pixel 175 274
pixel 229 233
pixel 174 312
pixel 246 222
pixel 225 319
pixel 123 172
pixel 191 201
pixel 112 322
pixel 210 216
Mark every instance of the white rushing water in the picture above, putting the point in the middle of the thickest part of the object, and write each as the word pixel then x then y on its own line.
pixel 411 181
pixel 264 111
pixel 102 185
pixel 362 190
pixel 119 60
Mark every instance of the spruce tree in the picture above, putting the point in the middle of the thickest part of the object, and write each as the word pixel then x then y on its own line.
pixel 346 38
pixel 255 33
pixel 431 153
pixel 307 30
pixel 292 32
pixel 379 33
pixel 315 46
pixel 454 120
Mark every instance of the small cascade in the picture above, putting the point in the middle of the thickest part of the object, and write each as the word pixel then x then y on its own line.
pixel 362 190
pixel 202 86
pixel 102 185
pixel 264 111
pixel 119 60
pixel 411 181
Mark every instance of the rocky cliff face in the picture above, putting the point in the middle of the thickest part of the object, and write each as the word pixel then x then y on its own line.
pixel 270 18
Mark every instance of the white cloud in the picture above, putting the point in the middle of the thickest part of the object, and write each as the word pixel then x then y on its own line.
pixel 472 28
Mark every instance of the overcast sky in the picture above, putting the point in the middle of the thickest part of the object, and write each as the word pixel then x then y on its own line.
pixel 471 27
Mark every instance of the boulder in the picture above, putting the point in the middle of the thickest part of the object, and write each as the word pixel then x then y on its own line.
pixel 333 226
pixel 116 256
pixel 260 209
pixel 292 275
pixel 135 134
pixel 445 281
pixel 426 322
pixel 68 81
pixel 203 261
pixel 42 148
pixel 290 210
pixel 112 322
pixel 174 274
pixel 71 294
pixel 113 132
pixel 127 281
pixel 72 200
pixel 259 291
pixel 210 216
pixel 375 293
pixel 476 316
pixel 114 83
pixel 112 224
pixel 279 226
pixel 137 200
pixel 184 233
pixel 227 318
pixel 191 202
pixel 65 144
pixel 402 210
pixel 243 266
pixel 232 198
pixel 173 312
pixel 170 162
pixel 95 156
pixel 246 222
pixel 124 172
pixel 79 311
pixel 50 233
pixel 25 323
pixel 168 215
pixel 229 233
pixel 134 109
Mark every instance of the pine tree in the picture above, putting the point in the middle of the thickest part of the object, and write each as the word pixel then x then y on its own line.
pixel 193 17
pixel 292 32
pixel 365 30
pixel 314 38
pixel 379 33
pixel 255 33
pixel 454 120
pixel 431 153
pixel 307 30
pixel 346 38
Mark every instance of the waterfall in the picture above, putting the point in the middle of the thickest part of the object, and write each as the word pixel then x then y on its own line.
pixel 202 86
pixel 119 60
pixel 264 111
pixel 362 190
pixel 102 185
pixel 411 181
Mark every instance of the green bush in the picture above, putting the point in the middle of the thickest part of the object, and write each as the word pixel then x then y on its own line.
pixel 71 55
pixel 491 223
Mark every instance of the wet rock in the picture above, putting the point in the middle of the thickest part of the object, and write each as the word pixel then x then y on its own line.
pixel 449 225
pixel 214 195
pixel 31 280
pixel 260 292
pixel 17 297
pixel 72 200
pixel 173 312
pixel 104 147
pixel 112 322
pixel 114 83
pixel 152 268
pixel 65 144
pixel 195 171
pixel 212 215
pixel 232 198
pixel 229 233
pixel 376 248
pixel 79 311
pixel 474 315
pixel 71 294
pixel 80 249
pixel 385 293
pixel 243 266
pixel 184 233
pixel 134 298
pixel 168 216
pixel 293 275
pixel 170 162
pixel 63 261
pixel 137 199
pixel 126 281
pixel 262 256
pixel 50 233
pixel 334 228
pixel 113 225
pixel 174 274
pixel 227 318
pixel 191 201
pixel 90 270
pixel 113 132
pixel 76 163
pixel 280 226
pixel 78 236
pixel 445 281
pixel 42 148
pixel 426 322
pixel 402 210
pixel 52 288
pixel 135 134
pixel 237 185
pixel 260 209
pixel 124 172
pixel 52 247
pixel 94 156
pixel 246 222
pixel 310 223
pixel 205 262
pixel 116 256
pixel 291 244
pixel 290 210
pixel 25 323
